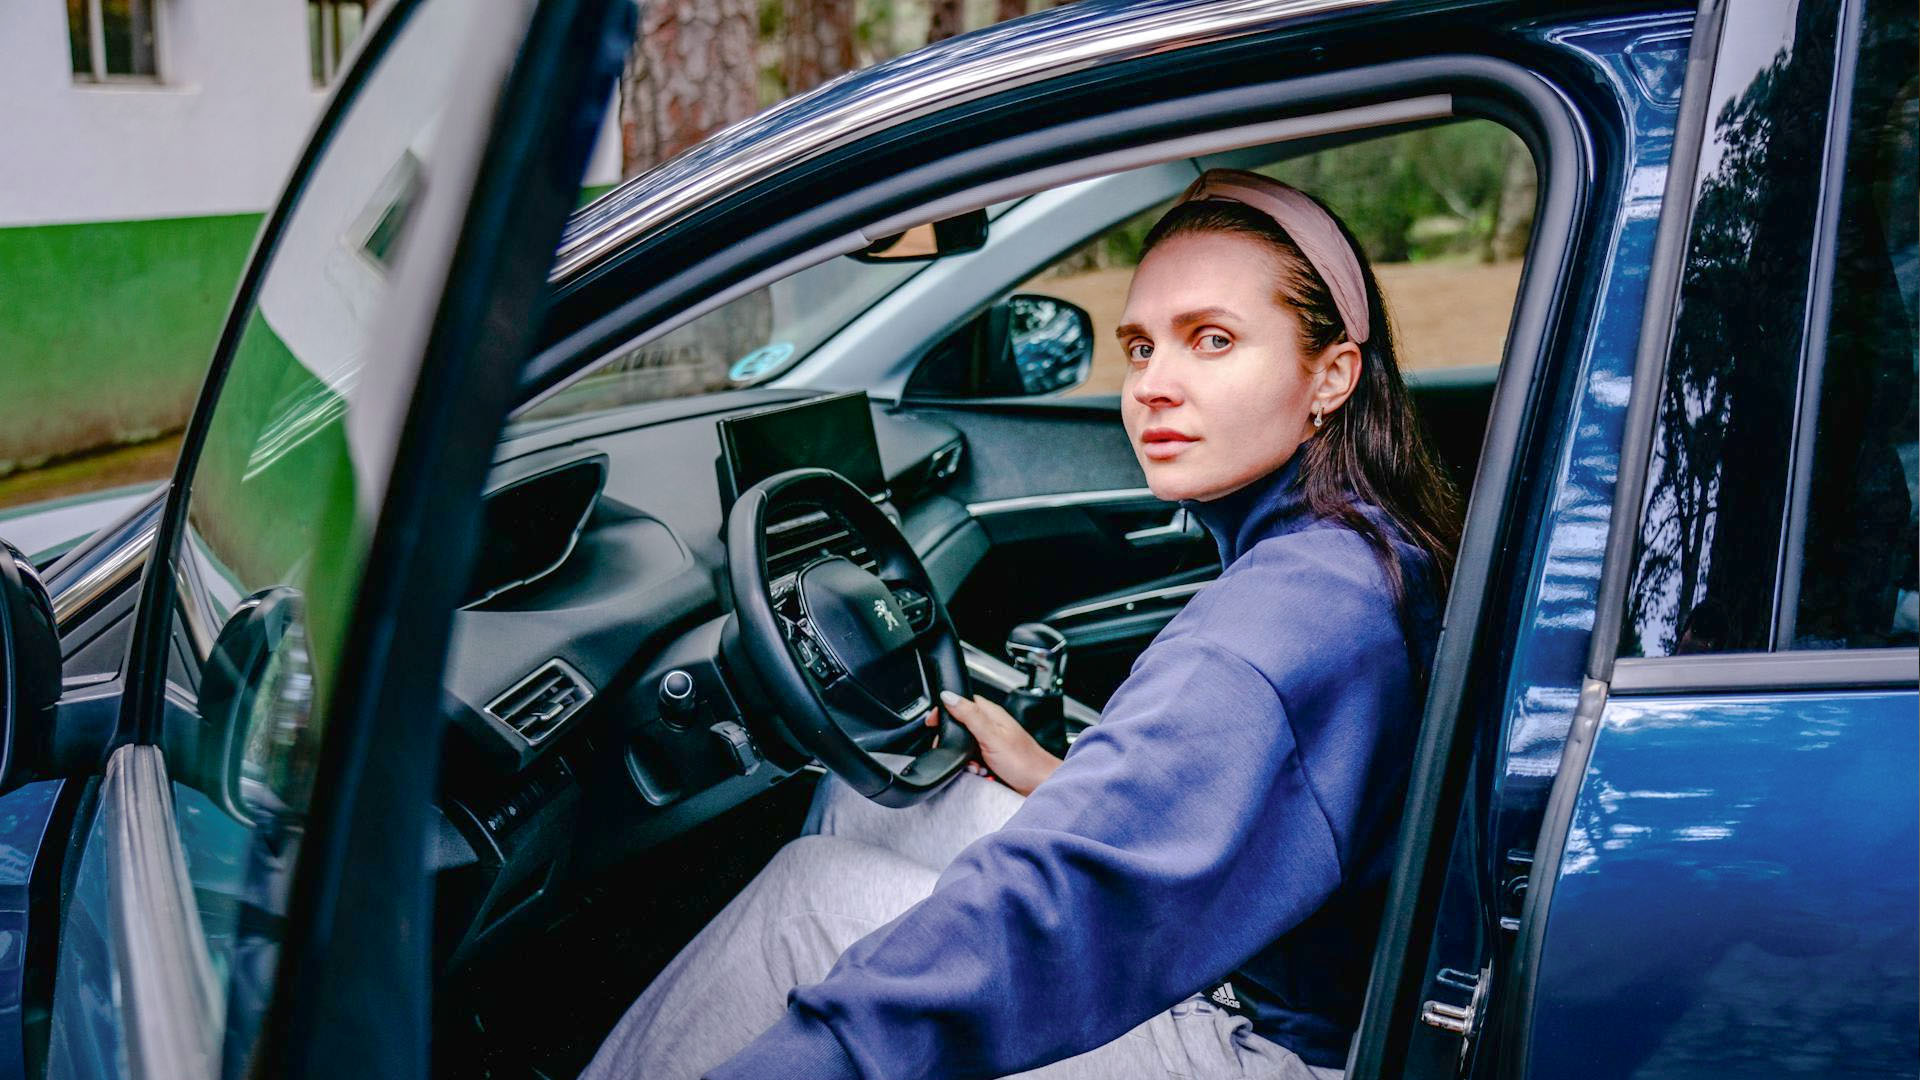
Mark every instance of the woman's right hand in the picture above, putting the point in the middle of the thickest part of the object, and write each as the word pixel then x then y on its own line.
pixel 1008 749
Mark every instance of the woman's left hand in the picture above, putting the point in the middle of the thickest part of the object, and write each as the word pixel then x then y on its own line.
pixel 1008 749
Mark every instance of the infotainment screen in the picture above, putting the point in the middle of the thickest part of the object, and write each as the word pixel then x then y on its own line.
pixel 829 433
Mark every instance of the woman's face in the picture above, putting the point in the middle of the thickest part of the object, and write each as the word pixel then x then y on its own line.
pixel 1217 392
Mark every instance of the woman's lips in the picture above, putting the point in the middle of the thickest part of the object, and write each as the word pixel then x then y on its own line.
pixel 1163 444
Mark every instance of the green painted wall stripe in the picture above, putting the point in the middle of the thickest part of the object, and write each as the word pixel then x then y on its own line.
pixel 106 328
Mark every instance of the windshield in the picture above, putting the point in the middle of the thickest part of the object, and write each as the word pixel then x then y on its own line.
pixel 743 342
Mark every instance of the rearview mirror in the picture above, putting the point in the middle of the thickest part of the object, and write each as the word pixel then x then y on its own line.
pixel 934 240
pixel 29 669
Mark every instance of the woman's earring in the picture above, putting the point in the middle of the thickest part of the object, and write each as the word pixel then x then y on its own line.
pixel 1319 407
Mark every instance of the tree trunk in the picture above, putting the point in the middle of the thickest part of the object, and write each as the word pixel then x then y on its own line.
pixel 945 18
pixel 1513 213
pixel 1008 9
pixel 692 71
pixel 818 43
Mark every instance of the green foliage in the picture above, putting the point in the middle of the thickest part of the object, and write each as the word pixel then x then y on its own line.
pixel 1428 194
pixel 1422 195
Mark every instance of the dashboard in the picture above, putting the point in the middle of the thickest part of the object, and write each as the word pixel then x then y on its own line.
pixel 594 712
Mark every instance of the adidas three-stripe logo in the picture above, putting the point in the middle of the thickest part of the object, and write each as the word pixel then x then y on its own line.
pixel 1224 995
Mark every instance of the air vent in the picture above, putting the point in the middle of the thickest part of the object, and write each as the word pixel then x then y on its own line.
pixel 799 540
pixel 538 704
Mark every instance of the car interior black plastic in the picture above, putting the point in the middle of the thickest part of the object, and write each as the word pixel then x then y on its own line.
pixel 531 515
pixel 832 431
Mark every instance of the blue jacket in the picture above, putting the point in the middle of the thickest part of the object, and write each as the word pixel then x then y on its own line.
pixel 1233 814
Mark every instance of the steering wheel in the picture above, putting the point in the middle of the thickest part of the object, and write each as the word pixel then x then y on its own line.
pixel 852 658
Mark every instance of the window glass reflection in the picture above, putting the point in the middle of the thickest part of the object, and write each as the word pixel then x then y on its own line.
pixel 1712 521
pixel 1857 585
pixel 272 555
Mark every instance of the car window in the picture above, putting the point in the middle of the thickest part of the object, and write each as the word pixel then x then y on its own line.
pixel 745 341
pixel 268 567
pixel 1714 509
pixel 1443 214
pixel 1856 544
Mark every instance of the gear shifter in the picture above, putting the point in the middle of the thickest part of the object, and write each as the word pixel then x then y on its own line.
pixel 1040 653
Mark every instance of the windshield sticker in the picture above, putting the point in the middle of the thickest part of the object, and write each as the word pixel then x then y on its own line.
pixel 760 361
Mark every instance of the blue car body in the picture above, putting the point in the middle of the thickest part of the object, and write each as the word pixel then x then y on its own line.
pixel 1660 877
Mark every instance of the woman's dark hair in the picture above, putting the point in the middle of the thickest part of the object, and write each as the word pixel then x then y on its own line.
pixel 1372 450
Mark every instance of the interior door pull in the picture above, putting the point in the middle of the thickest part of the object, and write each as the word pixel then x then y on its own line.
pixel 1183 526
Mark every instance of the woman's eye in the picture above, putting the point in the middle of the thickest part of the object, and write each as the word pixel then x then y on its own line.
pixel 1140 352
pixel 1215 342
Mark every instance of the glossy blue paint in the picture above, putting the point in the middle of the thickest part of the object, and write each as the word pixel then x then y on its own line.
pixel 86 1040
pixel 1636 62
pixel 1641 61
pixel 24 815
pixel 216 848
pixel 1740 892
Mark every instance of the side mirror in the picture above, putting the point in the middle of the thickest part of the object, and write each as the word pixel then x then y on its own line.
pixel 29 670
pixel 954 236
pixel 256 677
pixel 1051 342
pixel 1023 346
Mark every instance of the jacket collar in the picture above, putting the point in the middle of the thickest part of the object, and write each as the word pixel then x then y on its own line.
pixel 1274 505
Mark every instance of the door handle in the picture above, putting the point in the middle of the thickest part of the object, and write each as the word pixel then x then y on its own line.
pixel 1183 526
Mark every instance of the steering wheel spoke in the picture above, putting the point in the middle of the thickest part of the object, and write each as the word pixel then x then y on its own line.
pixel 919 609
pixel 814 658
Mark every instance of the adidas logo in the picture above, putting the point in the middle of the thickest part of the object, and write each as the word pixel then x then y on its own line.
pixel 1223 994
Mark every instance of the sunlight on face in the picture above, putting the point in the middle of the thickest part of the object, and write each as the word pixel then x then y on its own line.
pixel 1217 390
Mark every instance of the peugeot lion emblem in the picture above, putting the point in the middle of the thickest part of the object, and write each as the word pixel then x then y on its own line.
pixel 885 611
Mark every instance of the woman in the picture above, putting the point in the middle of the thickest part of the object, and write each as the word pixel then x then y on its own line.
pixel 1195 890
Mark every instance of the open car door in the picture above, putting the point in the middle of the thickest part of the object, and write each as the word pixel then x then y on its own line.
pixel 245 892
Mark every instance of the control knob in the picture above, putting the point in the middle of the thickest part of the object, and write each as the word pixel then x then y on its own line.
pixel 677 698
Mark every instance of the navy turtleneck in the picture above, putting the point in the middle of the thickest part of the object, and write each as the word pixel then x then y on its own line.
pixel 1231 817
pixel 1273 505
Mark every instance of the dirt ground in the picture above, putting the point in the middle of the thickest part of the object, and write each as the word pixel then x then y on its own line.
pixel 140 463
pixel 1444 314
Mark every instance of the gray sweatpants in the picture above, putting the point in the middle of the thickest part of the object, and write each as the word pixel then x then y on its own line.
pixel 822 893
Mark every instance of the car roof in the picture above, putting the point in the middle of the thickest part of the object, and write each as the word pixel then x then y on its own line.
pixel 998 58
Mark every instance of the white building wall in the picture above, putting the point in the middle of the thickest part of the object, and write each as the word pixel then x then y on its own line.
pixel 217 135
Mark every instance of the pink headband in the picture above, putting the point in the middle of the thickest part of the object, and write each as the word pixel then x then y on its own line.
pixel 1312 229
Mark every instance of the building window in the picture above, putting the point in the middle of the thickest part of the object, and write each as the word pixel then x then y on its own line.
pixel 112 39
pixel 332 27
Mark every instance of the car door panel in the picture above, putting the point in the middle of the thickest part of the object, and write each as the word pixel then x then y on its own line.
pixel 163 969
pixel 1710 838
pixel 1726 869
pixel 390 302
pixel 1036 447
